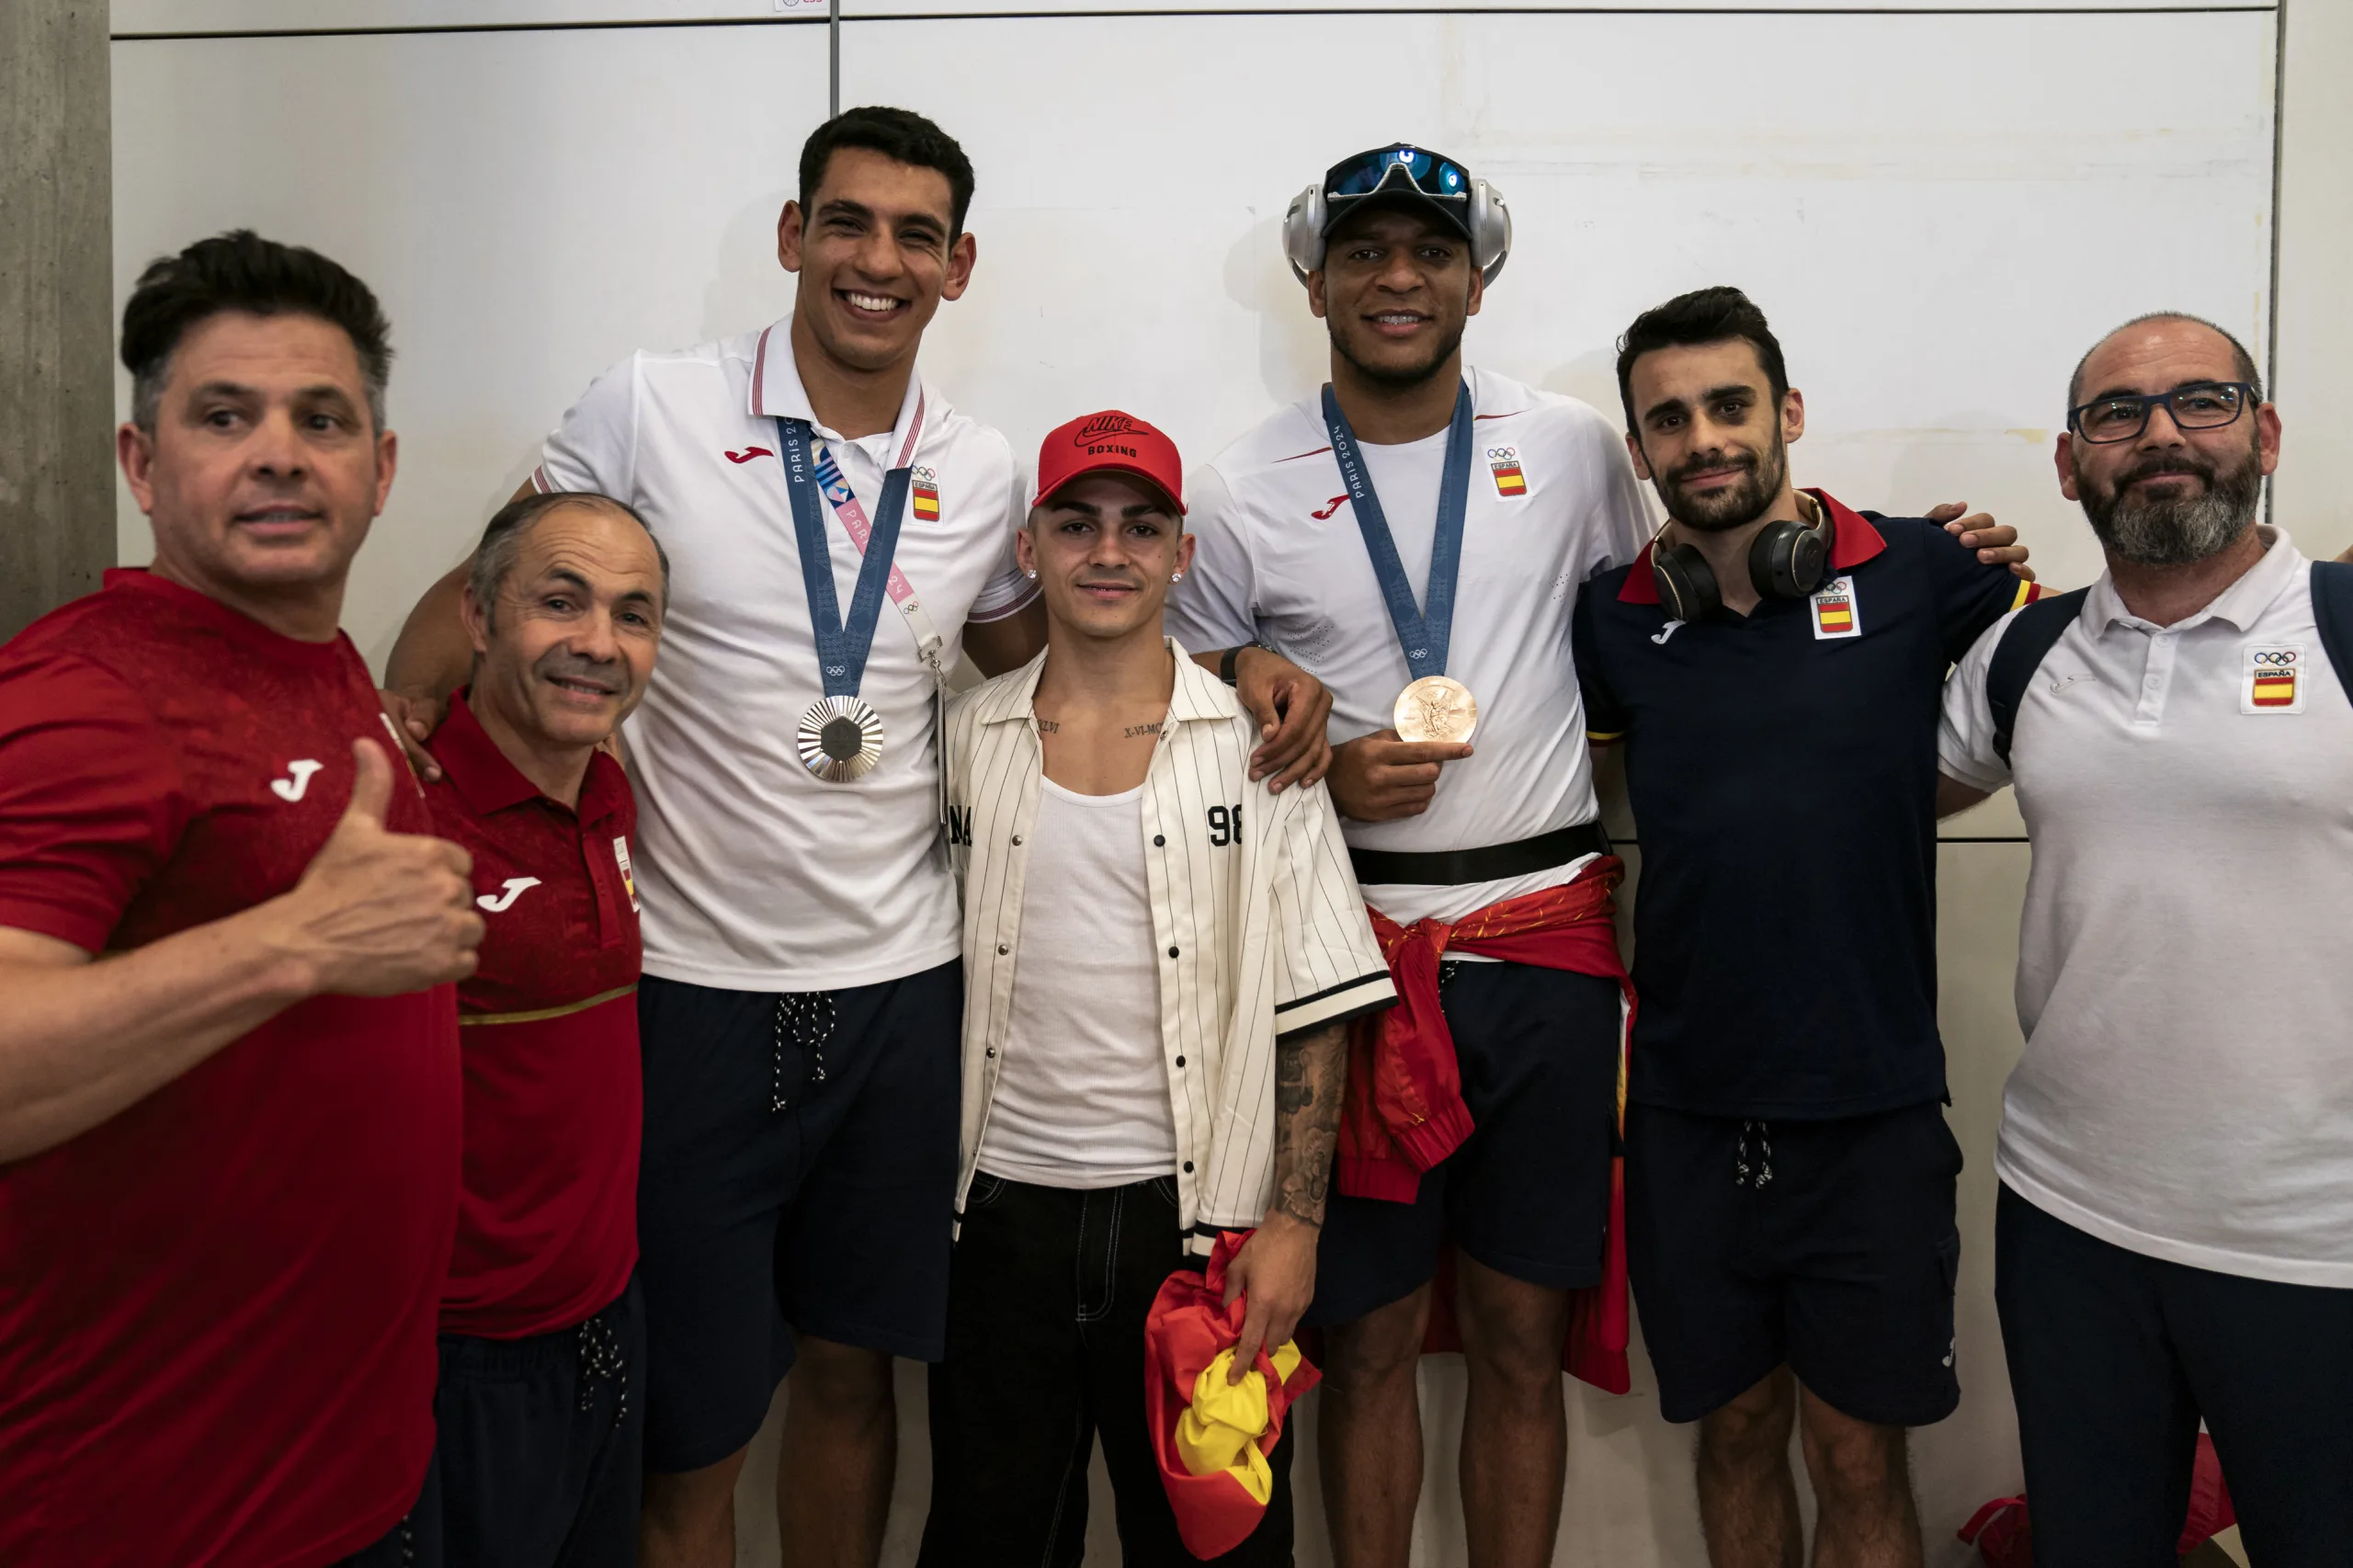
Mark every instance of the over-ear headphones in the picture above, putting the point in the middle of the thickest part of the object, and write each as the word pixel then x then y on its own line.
pixel 1490 230
pixel 1786 560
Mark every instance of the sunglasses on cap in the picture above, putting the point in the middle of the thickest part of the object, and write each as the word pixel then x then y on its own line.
pixel 1431 173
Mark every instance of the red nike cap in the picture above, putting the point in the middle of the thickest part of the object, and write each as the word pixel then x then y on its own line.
pixel 1109 442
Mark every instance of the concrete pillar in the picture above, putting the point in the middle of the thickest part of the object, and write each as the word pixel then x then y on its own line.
pixel 56 306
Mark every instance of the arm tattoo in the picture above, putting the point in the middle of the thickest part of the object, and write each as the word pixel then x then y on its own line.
pixel 1049 726
pixel 1310 1069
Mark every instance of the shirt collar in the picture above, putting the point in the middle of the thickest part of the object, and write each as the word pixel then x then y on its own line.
pixel 2241 604
pixel 230 622
pixel 1853 541
pixel 1196 695
pixel 489 783
pixel 776 392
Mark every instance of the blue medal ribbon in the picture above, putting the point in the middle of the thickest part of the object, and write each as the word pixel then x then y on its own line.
pixel 1424 633
pixel 842 646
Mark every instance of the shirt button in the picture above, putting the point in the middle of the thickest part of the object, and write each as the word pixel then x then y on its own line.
pixel 1172 952
pixel 1002 949
pixel 1016 838
pixel 1159 841
pixel 1188 1168
pixel 1180 1061
pixel 992 1050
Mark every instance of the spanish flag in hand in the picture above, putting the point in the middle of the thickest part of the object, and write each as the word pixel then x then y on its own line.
pixel 1211 1437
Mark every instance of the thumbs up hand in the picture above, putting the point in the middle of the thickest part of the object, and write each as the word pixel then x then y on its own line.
pixel 378 913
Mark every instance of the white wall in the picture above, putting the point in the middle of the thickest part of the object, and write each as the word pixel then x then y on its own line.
pixel 1940 206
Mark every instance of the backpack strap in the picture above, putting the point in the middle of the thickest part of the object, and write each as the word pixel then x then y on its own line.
pixel 2333 611
pixel 2030 635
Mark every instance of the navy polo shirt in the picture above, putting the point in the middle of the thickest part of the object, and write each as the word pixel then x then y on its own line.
pixel 1783 773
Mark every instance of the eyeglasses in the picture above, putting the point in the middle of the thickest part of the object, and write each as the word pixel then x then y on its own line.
pixel 2201 405
pixel 1427 172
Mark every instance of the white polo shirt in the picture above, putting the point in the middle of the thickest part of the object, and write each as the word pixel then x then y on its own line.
pixel 1552 501
pixel 1258 928
pixel 755 874
pixel 2186 956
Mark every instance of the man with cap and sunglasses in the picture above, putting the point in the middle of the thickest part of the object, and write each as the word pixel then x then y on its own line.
pixel 1159 961
pixel 1344 530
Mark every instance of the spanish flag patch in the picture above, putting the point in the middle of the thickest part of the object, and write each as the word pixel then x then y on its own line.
pixel 2271 683
pixel 1834 609
pixel 926 496
pixel 1503 463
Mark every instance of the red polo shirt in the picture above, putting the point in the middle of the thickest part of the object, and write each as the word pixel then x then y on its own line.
pixel 547 1230
pixel 217 1309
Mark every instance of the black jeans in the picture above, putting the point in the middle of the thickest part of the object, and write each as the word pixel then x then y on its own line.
pixel 2114 1358
pixel 1046 1300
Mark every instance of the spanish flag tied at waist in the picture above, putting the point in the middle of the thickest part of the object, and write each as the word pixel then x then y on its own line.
pixel 1211 1437
pixel 1404 1110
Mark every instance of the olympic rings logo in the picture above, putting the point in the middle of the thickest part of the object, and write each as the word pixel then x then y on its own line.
pixel 1501 454
pixel 2286 656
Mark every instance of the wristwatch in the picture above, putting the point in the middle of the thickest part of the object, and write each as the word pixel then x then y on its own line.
pixel 1225 665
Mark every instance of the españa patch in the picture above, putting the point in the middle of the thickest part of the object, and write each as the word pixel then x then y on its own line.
pixel 620 858
pixel 1833 607
pixel 1503 463
pixel 927 494
pixel 2273 679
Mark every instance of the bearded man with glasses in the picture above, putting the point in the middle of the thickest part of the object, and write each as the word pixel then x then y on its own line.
pixel 2175 1235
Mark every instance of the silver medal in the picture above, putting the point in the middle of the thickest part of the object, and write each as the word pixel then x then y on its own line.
pixel 840 739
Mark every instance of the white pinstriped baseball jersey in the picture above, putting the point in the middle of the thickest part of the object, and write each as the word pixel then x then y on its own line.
pixel 1257 925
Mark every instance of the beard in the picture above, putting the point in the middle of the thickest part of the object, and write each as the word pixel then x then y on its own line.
pixel 2174 530
pixel 1397 378
pixel 1734 505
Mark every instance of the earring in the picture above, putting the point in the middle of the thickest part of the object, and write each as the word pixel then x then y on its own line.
pixel 1176 576
pixel 1033 573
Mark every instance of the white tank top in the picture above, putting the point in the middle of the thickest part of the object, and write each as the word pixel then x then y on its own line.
pixel 1082 1096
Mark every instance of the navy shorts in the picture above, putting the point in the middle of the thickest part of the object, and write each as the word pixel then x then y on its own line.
pixel 540 1458
pixel 2114 1356
pixel 1829 1246
pixel 1527 1193
pixel 799 1176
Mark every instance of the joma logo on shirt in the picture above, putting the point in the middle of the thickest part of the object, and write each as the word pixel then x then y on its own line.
pixel 498 903
pixel 959 825
pixel 298 781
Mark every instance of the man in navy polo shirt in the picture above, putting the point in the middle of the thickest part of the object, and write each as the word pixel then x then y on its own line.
pixel 540 1407
pixel 1775 662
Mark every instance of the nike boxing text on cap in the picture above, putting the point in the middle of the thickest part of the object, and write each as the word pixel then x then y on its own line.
pixel 1109 442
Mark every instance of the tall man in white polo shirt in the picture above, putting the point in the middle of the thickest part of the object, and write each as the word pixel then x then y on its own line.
pixel 800 1009
pixel 1160 962
pixel 1396 247
pixel 2174 1239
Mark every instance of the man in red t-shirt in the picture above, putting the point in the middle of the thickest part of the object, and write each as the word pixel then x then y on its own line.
pixel 229 1080
pixel 541 1404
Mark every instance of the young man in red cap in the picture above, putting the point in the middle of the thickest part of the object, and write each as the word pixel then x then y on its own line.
pixel 1159 959
pixel 229 1093
pixel 541 1403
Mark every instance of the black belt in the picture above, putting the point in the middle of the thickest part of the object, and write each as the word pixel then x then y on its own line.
pixel 1488 863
